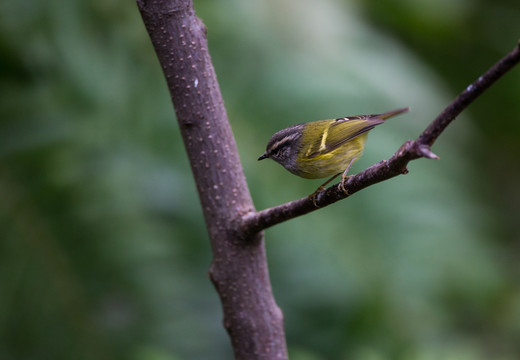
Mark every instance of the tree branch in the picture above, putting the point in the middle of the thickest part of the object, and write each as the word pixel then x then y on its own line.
pixel 239 268
pixel 256 221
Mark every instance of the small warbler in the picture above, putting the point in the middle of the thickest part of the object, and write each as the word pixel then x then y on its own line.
pixel 323 148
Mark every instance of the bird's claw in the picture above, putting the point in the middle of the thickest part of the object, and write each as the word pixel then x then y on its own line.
pixel 341 185
pixel 314 195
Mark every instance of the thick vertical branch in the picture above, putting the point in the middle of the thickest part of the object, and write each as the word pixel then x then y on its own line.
pixel 239 268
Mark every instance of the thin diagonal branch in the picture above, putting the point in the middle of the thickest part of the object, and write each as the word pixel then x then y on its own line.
pixel 412 149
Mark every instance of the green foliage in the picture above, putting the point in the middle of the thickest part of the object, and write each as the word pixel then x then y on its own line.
pixel 103 252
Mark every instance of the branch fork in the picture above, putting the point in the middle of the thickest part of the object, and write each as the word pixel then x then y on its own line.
pixel 239 267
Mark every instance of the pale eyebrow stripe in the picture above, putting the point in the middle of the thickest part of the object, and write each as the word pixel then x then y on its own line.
pixel 284 140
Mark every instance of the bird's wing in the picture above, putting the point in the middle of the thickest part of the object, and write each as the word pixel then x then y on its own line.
pixel 339 131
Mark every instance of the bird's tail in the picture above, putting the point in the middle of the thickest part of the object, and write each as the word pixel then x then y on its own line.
pixel 389 114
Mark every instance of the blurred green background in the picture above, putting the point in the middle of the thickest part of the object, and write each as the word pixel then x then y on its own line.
pixel 103 251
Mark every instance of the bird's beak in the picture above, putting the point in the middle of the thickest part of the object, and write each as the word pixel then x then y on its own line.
pixel 264 156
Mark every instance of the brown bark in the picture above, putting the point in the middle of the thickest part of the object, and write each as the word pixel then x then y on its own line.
pixel 239 268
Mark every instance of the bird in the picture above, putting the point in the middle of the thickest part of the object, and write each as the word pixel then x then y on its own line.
pixel 324 148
